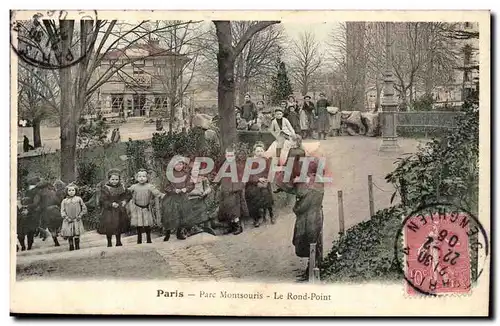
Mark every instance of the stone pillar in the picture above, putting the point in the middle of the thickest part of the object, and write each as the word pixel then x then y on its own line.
pixel 388 115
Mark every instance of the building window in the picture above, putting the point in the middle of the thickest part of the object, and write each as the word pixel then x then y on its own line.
pixel 139 104
pixel 161 102
pixel 117 103
pixel 468 25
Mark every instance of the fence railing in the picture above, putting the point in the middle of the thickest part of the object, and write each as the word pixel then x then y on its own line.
pixel 434 119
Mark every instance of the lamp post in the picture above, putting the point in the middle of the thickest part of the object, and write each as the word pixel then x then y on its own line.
pixel 389 104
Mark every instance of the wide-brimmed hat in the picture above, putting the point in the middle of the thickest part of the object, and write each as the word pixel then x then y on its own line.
pixel 307 97
pixel 278 109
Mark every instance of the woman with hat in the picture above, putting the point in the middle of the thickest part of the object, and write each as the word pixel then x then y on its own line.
pixel 307 117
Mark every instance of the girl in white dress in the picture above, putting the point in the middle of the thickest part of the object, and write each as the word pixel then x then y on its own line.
pixel 72 210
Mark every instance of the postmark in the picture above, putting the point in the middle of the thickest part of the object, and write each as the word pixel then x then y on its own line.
pixel 441 249
pixel 39 40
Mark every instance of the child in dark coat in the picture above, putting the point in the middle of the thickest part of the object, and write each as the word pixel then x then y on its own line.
pixel 293 117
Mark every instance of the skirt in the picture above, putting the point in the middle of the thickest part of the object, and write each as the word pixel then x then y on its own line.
pixel 71 229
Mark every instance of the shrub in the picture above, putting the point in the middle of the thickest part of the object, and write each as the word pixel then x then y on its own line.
pixel 445 169
pixel 366 251
pixel 423 103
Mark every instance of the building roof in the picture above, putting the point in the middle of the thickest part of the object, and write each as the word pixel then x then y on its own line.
pixel 151 49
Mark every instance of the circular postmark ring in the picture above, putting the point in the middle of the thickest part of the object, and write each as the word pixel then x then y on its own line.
pixel 453 222
pixel 40 44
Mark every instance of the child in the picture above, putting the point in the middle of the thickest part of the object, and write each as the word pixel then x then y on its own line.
pixel 142 194
pixel 113 197
pixel 258 192
pixel 72 210
pixel 232 203
pixel 241 124
pixel 174 204
pixel 293 117
pixel 197 209
pixel 281 130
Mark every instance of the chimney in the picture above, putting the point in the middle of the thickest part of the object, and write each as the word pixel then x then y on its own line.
pixel 154 41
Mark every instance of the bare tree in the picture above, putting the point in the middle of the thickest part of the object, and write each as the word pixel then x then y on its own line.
pixel 226 59
pixel 350 58
pixel 38 96
pixel 79 81
pixel 305 60
pixel 254 65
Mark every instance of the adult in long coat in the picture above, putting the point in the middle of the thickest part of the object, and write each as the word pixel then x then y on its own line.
pixel 46 206
pixel 308 208
pixel 27 221
pixel 323 118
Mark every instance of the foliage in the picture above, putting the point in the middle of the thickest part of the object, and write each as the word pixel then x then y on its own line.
pixel 424 103
pixel 366 251
pixel 281 86
pixel 92 133
pixel 136 157
pixel 22 179
pixel 87 173
pixel 444 169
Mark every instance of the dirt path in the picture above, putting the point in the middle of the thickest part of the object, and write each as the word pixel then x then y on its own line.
pixel 258 254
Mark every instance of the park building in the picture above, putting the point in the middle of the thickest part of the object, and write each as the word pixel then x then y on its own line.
pixel 140 87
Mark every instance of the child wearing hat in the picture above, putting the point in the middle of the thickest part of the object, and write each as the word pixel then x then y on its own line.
pixel 281 129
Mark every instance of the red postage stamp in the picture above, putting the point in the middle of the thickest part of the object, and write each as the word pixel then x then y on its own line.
pixel 438 257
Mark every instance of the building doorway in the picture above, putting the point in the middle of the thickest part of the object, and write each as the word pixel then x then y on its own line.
pixel 139 102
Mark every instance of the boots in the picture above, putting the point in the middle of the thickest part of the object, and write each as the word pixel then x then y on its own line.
pixel 237 227
pixel 109 238
pixel 167 236
pixel 181 234
pixel 139 235
pixel 271 215
pixel 71 246
pixel 77 243
pixel 118 240
pixel 56 243
pixel 148 234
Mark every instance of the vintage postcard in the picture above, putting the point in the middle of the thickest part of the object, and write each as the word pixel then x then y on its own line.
pixel 250 163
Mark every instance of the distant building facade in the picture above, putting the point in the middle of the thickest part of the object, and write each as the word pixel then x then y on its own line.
pixel 140 87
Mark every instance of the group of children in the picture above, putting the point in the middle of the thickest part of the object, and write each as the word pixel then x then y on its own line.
pixel 303 119
pixel 181 205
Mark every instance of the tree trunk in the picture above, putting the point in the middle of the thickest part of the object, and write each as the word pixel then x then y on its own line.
pixel 225 89
pixel 305 86
pixel 37 139
pixel 404 99
pixel 239 80
pixel 378 87
pixel 68 120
